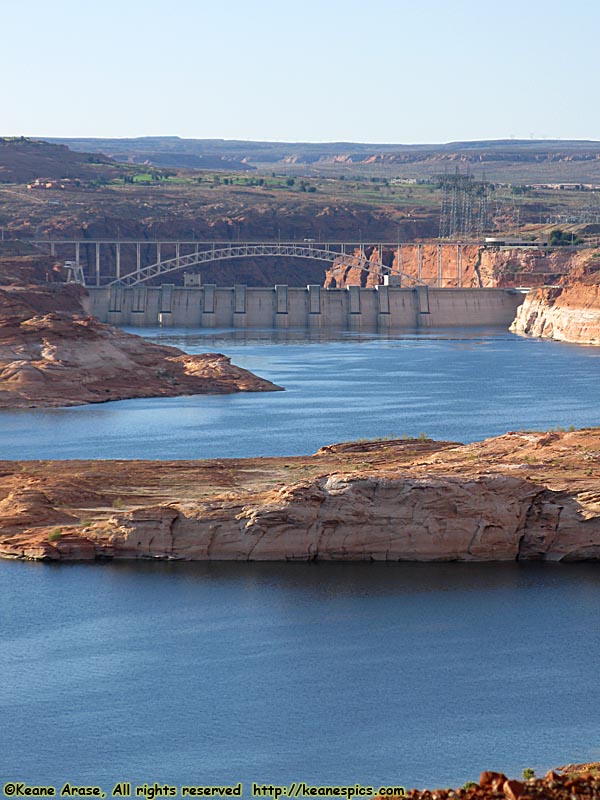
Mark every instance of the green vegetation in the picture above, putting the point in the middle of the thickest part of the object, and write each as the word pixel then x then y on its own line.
pixel 528 773
pixel 148 177
pixel 118 503
pixel 55 535
pixel 560 238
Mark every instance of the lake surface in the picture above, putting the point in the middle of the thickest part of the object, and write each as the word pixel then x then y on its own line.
pixel 453 384
pixel 381 674
pixel 330 673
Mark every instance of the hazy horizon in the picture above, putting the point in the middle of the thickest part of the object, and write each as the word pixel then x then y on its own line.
pixel 44 137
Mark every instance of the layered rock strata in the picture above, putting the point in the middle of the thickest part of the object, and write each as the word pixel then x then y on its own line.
pixel 477 266
pixel 569 312
pixel 522 496
pixel 53 354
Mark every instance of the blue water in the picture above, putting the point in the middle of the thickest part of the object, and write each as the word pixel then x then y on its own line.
pixel 382 674
pixel 330 673
pixel 461 385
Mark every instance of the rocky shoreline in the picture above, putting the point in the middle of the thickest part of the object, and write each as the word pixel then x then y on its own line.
pixel 565 783
pixel 521 496
pixel 52 353
pixel 568 312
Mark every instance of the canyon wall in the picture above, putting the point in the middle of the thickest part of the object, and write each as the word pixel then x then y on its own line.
pixel 569 312
pixel 447 265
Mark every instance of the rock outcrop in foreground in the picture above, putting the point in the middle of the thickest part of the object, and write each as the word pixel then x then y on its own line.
pixel 569 312
pixel 522 496
pixel 555 785
pixel 53 354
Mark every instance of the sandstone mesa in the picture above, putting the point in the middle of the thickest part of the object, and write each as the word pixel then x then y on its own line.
pixel 521 496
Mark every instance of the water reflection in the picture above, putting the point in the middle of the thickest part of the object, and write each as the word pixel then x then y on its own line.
pixel 213 673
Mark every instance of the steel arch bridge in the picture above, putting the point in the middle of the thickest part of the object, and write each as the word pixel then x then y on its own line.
pixel 247 250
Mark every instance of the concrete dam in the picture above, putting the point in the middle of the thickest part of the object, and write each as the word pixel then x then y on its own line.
pixel 354 308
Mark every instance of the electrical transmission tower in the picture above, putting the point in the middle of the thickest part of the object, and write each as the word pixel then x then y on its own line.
pixel 465 206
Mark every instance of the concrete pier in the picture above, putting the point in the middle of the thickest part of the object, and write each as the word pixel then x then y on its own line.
pixel 378 309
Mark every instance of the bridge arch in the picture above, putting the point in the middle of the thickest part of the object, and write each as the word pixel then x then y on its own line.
pixel 306 250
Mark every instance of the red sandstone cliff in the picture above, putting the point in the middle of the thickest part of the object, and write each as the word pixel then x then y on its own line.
pixel 569 312
pixel 519 496
pixel 480 266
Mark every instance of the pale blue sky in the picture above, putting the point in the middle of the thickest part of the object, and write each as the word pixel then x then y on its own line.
pixel 318 70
